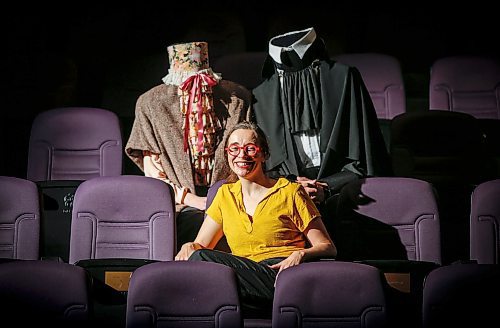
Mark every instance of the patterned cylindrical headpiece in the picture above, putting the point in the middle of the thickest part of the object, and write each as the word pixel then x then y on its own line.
pixel 189 57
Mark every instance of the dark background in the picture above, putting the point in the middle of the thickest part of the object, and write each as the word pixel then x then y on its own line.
pixel 106 55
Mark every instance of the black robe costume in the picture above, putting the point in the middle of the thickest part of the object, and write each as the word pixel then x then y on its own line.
pixel 351 142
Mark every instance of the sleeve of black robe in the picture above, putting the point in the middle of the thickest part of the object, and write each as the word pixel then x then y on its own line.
pixel 351 139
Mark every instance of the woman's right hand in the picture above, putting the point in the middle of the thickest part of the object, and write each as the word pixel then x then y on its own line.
pixel 195 201
pixel 186 250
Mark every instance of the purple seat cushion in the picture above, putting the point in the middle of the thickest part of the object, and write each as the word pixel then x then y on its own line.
pixel 485 223
pixel 19 219
pixel 123 217
pixel 329 294
pixel 75 143
pixel 388 218
pixel 183 293
pixel 462 295
pixel 469 84
pixel 42 292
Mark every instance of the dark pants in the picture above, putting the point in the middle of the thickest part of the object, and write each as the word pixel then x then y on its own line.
pixel 188 221
pixel 256 280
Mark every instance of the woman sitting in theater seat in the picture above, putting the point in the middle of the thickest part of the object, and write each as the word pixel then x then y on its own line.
pixel 268 223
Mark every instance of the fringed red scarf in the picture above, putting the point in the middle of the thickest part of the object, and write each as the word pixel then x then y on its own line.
pixel 200 124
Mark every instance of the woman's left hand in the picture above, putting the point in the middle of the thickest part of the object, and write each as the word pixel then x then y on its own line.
pixel 294 259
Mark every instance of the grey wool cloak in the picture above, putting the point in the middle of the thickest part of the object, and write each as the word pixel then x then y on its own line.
pixel 158 128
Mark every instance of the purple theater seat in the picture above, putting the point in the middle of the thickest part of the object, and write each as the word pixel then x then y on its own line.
pixel 438 146
pixel 485 223
pixel 469 84
pixel 330 294
pixel 383 79
pixel 74 143
pixel 44 293
pixel 183 294
pixel 212 191
pixel 393 224
pixel 462 295
pixel 19 219
pixel 244 68
pixel 446 149
pixel 118 225
pixel 388 218
pixel 123 217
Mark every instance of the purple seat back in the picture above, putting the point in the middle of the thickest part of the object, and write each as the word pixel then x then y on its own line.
pixel 44 292
pixel 329 294
pixel 438 146
pixel 19 219
pixel 446 149
pixel 462 295
pixel 485 223
pixel 183 294
pixel 74 144
pixel 244 68
pixel 123 217
pixel 388 218
pixel 212 191
pixel 383 79
pixel 469 84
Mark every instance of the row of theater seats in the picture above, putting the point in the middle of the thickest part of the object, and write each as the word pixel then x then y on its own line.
pixel 121 216
pixel 80 143
pixel 202 294
pixel 466 84
pixel 112 226
pixel 121 223
pixel 458 139
pixel 133 216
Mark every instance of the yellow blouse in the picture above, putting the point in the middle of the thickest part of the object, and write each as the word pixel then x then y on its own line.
pixel 276 228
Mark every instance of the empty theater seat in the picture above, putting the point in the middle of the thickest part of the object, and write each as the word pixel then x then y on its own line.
pixel 183 294
pixel 19 219
pixel 66 146
pixel 485 223
pixel 388 218
pixel 330 294
pixel 44 293
pixel 446 149
pixel 119 224
pixel 468 84
pixel 74 143
pixel 392 223
pixel 462 295
pixel 123 217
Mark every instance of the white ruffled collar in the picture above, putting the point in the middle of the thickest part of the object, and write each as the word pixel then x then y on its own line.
pixel 176 77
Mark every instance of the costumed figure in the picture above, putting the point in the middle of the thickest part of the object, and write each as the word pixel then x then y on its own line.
pixel 318 117
pixel 180 127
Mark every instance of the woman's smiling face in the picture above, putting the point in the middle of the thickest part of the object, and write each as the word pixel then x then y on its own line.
pixel 244 155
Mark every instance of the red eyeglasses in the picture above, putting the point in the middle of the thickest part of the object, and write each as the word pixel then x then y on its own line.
pixel 250 149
